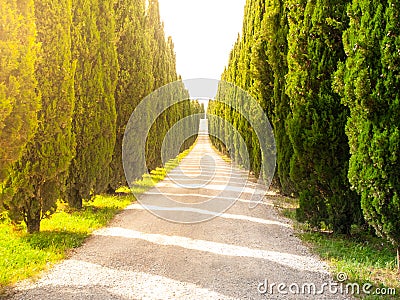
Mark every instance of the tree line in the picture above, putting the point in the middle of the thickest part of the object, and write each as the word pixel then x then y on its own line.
pixel 327 75
pixel 71 74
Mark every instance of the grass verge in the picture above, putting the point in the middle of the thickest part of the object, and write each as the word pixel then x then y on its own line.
pixel 362 257
pixel 23 256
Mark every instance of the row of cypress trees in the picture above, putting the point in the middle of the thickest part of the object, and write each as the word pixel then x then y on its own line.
pixel 71 74
pixel 327 75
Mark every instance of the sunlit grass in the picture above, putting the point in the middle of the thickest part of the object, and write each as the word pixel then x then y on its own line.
pixel 364 258
pixel 23 255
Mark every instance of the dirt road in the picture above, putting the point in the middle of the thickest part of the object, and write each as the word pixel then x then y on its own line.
pixel 243 253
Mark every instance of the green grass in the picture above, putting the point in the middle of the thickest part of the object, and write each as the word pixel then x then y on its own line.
pixel 23 256
pixel 364 258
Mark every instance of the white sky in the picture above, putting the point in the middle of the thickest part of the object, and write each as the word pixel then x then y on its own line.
pixel 204 32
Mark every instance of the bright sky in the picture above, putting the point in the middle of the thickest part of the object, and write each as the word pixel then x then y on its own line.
pixel 204 32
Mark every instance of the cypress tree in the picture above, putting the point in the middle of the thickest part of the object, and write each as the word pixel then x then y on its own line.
pixel 257 63
pixel 164 72
pixel 110 69
pixel 39 176
pixel 259 70
pixel 246 77
pixel 158 45
pixel 247 70
pixel 316 124
pixel 369 81
pixel 155 66
pixel 274 32
pixel 135 78
pixel 94 122
pixel 19 99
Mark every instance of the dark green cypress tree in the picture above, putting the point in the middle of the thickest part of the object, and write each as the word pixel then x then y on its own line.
pixel 316 124
pixel 94 122
pixel 260 70
pixel 19 99
pixel 369 82
pixel 39 176
pixel 274 32
pixel 135 78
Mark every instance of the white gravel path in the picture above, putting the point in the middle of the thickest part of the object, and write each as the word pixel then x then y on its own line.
pixel 142 256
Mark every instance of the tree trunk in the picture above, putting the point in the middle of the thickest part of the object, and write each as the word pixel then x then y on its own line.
pixel 398 259
pixel 75 199
pixel 110 190
pixel 33 222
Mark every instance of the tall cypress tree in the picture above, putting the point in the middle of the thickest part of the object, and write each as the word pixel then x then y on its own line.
pixel 164 72
pixel 19 99
pixel 316 124
pixel 157 44
pixel 39 176
pixel 110 69
pixel 135 78
pixel 94 122
pixel 274 32
pixel 369 82
pixel 147 62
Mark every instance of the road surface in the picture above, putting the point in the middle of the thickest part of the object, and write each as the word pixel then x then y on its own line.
pixel 200 240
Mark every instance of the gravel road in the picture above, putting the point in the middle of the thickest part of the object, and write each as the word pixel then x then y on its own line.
pixel 192 240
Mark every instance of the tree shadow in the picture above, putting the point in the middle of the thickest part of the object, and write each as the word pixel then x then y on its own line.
pixel 58 239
